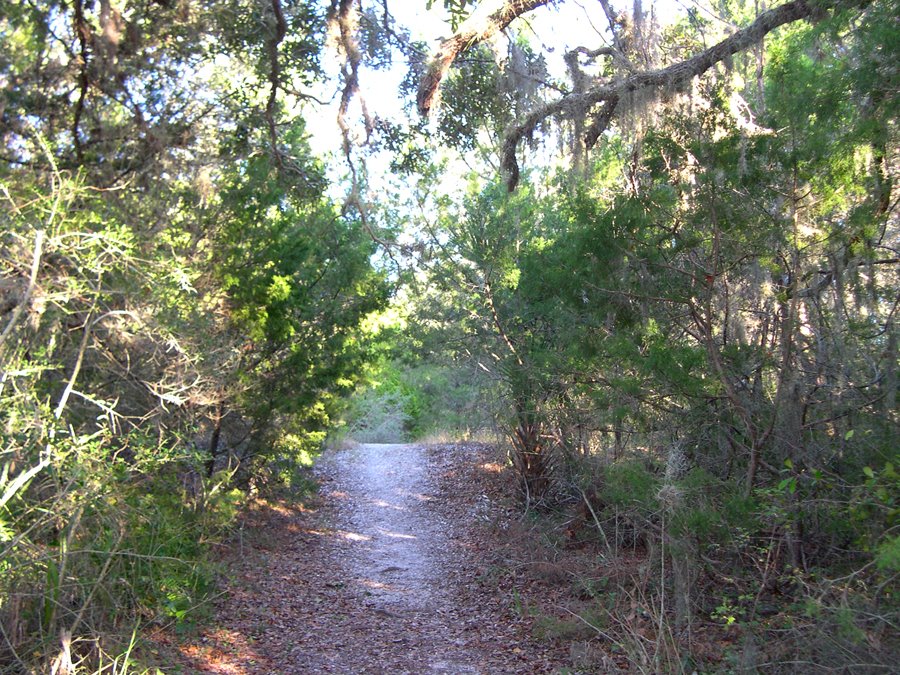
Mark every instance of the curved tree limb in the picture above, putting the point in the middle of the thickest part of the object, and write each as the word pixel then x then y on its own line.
pixel 677 74
pixel 601 121
pixel 473 30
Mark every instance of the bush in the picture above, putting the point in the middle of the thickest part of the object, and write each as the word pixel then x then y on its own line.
pixel 632 487
pixel 107 542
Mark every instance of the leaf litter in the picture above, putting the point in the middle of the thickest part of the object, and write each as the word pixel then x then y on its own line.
pixel 392 569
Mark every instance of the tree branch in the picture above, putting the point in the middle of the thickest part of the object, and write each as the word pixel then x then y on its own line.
pixel 475 29
pixel 343 16
pixel 671 76
pixel 601 121
pixel 83 33
pixel 275 75
pixel 614 26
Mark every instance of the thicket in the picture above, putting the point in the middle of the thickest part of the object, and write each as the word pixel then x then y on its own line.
pixel 696 346
pixel 180 308
pixel 689 338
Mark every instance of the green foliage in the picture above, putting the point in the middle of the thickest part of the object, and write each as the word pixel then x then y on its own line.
pixel 701 330
pixel 480 99
pixel 298 280
pixel 457 9
pixel 888 556
pixel 631 486
pixel 700 326
pixel 446 399
pixel 122 538
pixel 402 402
pixel 193 312
pixel 875 512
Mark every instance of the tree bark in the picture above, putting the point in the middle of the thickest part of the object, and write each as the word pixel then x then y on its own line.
pixel 214 441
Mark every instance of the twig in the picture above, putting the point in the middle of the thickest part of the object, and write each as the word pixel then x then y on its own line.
pixel 596 520
pixel 76 369
pixel 23 478
pixel 32 281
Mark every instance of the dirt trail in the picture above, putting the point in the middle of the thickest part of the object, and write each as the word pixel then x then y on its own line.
pixel 395 555
pixel 383 577
pixel 394 545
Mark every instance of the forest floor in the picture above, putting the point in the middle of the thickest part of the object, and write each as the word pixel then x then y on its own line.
pixel 396 566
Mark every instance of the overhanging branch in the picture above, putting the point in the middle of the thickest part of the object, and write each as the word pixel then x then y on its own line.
pixel 475 29
pixel 608 94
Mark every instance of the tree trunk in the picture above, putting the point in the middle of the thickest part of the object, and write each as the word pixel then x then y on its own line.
pixel 214 441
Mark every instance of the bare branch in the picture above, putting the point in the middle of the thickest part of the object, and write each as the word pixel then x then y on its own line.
pixel 475 29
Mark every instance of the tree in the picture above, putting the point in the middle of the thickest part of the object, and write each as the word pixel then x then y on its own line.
pixel 700 334
pixel 180 303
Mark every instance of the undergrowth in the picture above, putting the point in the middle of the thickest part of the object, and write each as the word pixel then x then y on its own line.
pixel 638 572
pixel 105 553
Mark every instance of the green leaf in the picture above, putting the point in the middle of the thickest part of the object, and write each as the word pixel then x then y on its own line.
pixel 868 471
pixel 848 435
pixel 887 556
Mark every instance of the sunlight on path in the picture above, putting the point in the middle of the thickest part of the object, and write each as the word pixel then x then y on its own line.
pixel 379 576
pixel 397 558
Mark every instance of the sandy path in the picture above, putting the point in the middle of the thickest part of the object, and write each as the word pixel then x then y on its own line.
pixel 396 554
pixel 385 576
